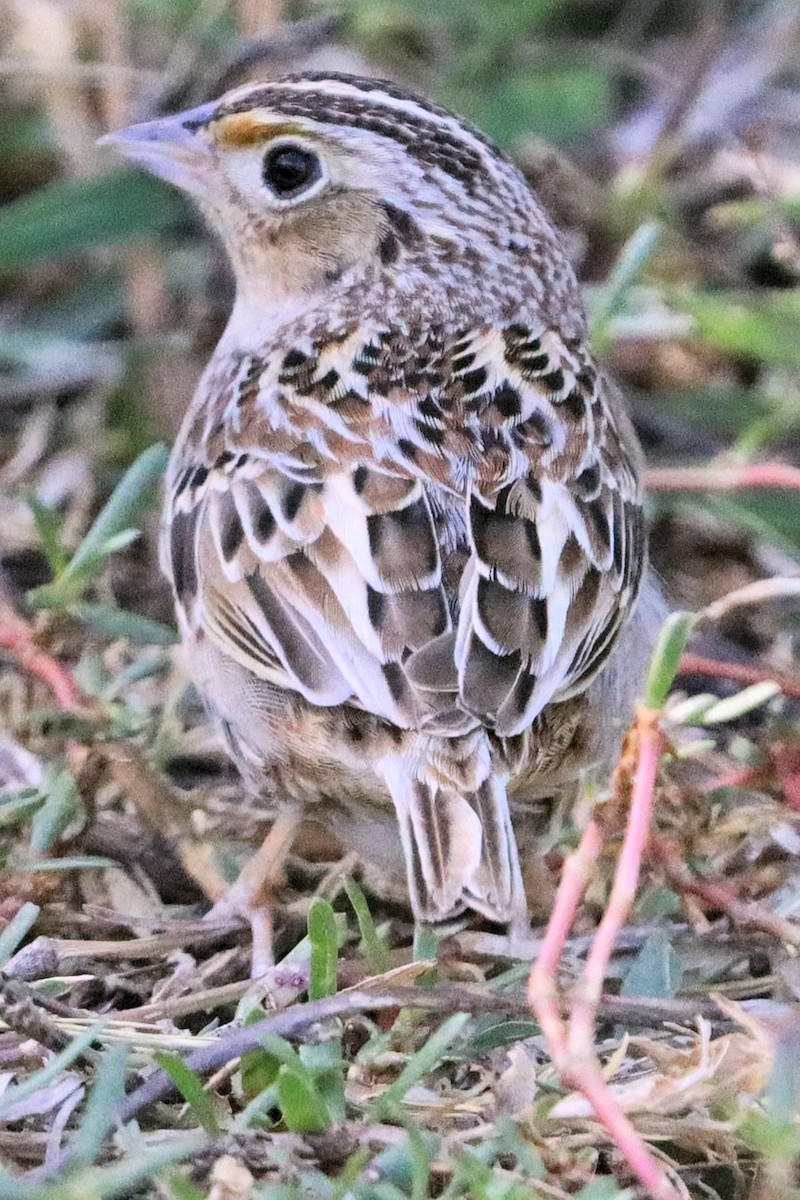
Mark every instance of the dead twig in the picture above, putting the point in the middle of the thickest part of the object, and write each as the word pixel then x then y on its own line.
pixel 21 1011
pixel 762 591
pixel 300 1018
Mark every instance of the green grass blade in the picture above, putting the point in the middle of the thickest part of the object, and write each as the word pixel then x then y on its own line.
pixel 373 946
pixel 61 805
pixel 120 1179
pixel 675 633
pixel 324 938
pixel 425 1059
pixel 632 259
pixel 17 930
pixel 191 1088
pixel 119 512
pixel 99 1116
pixel 113 623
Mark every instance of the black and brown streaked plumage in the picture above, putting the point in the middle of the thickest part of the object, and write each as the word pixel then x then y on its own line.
pixel 404 516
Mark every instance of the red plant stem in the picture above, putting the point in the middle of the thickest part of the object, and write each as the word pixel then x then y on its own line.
pixel 16 638
pixel 716 894
pixel 724 478
pixel 593 1086
pixel 697 664
pixel 742 777
pixel 626 879
pixel 571 1043
pixel 542 981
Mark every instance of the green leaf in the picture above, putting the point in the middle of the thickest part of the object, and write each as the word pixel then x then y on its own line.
pixel 17 930
pixel 324 1062
pixel 77 215
pixel 503 1033
pixel 675 633
pixel 184 1189
pixel 48 527
pixel 303 1109
pixel 191 1088
pixel 258 1068
pixel 775 1135
pixel 281 1050
pixel 61 806
pixel 763 327
pixel 75 862
pixel 733 707
pixel 112 623
pixel 604 1189
pixel 133 492
pixel 627 270
pixel 17 808
pixel 726 411
pixel 656 970
pixel 772 516
pixel 373 946
pixel 397 1165
pixel 421 1161
pixel 324 938
pixel 557 103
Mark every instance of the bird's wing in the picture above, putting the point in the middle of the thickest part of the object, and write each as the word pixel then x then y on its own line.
pixel 319 493
pixel 556 531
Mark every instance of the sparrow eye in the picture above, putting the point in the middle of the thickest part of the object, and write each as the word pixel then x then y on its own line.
pixel 290 170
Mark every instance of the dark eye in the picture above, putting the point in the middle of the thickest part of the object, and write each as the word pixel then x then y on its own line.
pixel 290 170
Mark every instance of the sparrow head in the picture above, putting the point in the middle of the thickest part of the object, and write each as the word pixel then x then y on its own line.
pixel 318 180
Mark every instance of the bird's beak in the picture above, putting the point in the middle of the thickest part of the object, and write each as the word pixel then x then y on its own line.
pixel 173 148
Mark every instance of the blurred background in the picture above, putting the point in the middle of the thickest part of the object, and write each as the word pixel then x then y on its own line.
pixel 664 137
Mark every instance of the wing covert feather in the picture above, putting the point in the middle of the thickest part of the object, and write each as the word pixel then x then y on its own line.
pixel 464 536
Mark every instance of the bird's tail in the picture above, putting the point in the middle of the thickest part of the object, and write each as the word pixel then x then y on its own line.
pixel 459 845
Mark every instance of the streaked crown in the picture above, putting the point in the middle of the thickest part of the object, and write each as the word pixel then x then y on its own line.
pixel 323 181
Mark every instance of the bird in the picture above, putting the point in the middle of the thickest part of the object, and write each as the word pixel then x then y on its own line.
pixel 403 518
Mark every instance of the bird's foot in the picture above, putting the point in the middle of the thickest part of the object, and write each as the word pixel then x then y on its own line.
pixel 255 908
pixel 250 897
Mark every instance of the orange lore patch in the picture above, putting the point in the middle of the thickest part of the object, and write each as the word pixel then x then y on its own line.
pixel 248 128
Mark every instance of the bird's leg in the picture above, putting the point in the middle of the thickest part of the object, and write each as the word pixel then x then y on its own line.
pixel 249 896
pixel 571 1041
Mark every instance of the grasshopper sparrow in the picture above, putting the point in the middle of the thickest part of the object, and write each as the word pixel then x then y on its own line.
pixel 403 516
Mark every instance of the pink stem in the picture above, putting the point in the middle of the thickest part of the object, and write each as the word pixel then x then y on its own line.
pixel 17 640
pixel 724 478
pixel 542 981
pixel 716 894
pixel 644 1166
pixel 572 1049
pixel 697 664
pixel 626 881
pixel 743 777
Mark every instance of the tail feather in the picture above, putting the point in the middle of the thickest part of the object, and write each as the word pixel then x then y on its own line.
pixel 495 890
pixel 460 848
